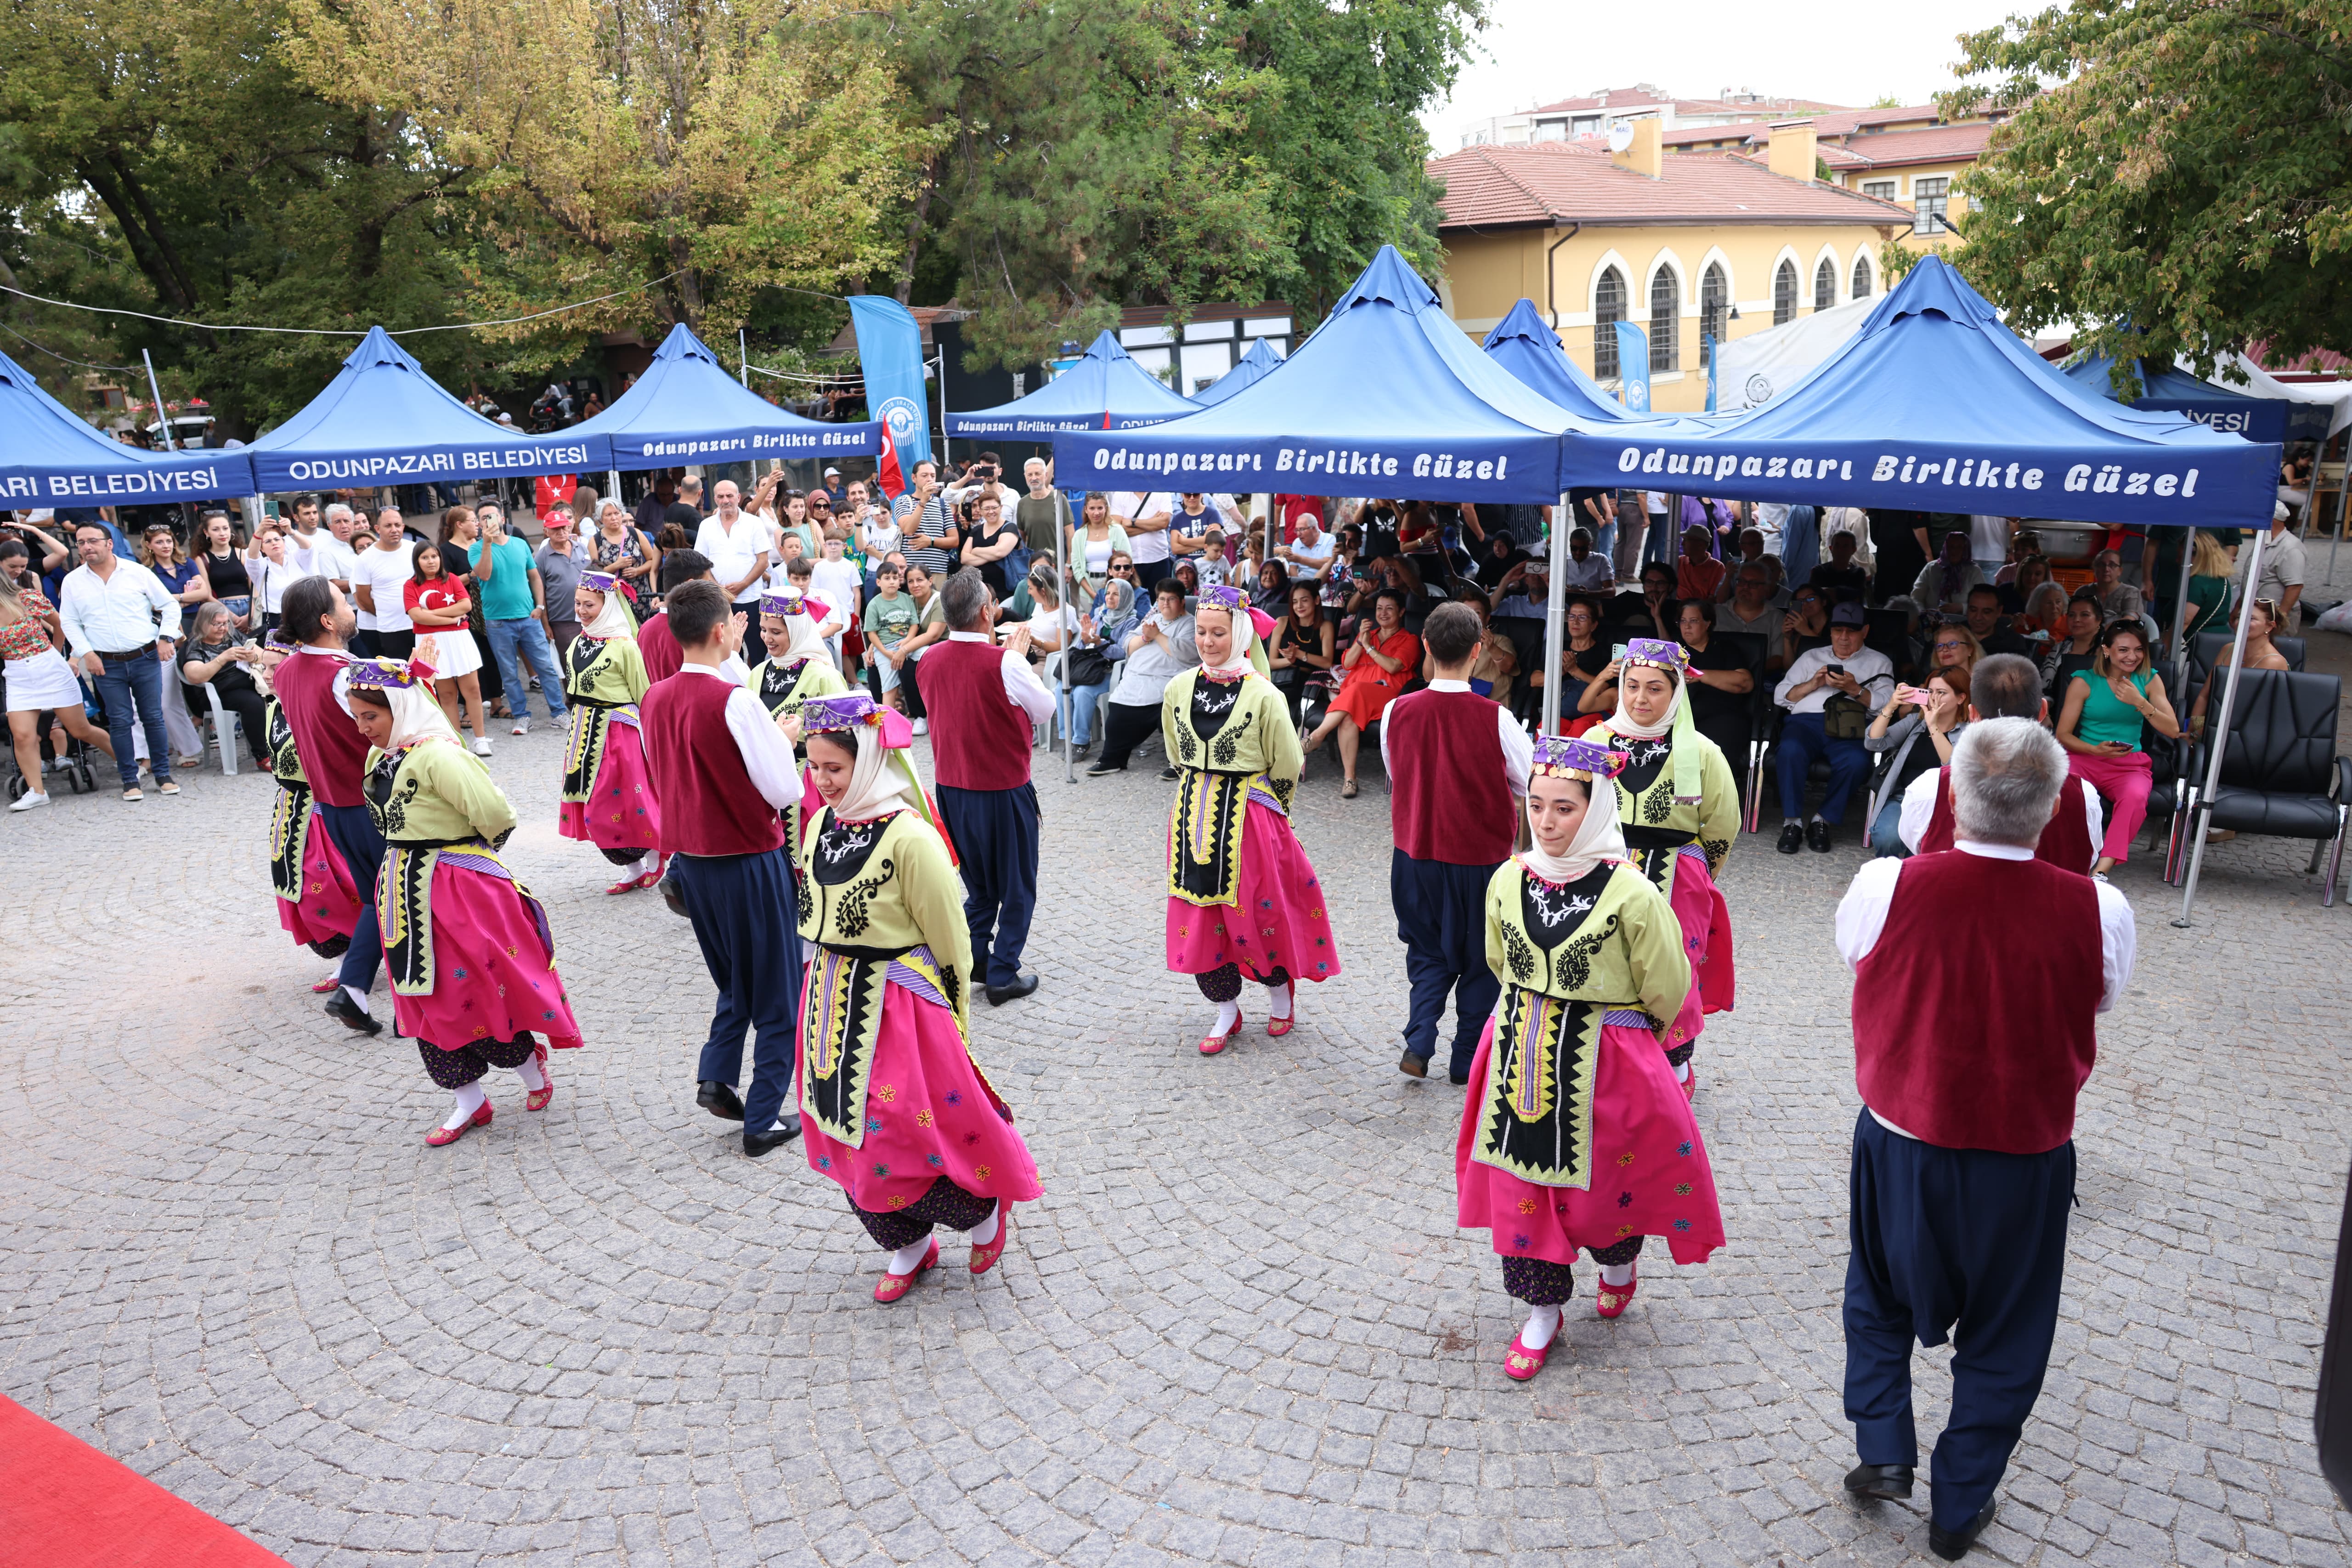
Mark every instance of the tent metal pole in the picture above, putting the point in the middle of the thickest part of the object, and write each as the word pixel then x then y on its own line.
pixel 1068 637
pixel 940 359
pixel 743 356
pixel 1555 611
pixel 2343 507
pixel 2220 730
pixel 2181 611
pixel 161 418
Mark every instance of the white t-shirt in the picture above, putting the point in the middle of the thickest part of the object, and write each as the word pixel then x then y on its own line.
pixel 1144 548
pixel 732 551
pixel 385 575
pixel 880 534
pixel 272 578
pixel 324 554
pixel 837 582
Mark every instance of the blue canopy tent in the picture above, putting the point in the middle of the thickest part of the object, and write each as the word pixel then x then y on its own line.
pixel 1106 390
pixel 384 421
pixel 1531 351
pixel 1255 366
pixel 50 457
pixel 688 408
pixel 2168 390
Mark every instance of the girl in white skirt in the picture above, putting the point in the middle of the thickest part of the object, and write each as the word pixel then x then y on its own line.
pixel 438 604
pixel 38 680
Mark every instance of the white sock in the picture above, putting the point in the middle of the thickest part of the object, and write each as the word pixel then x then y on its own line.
pixel 903 1260
pixel 1614 1274
pixel 985 1232
pixel 1542 1324
pixel 532 1078
pixel 468 1100
pixel 645 865
pixel 358 996
pixel 1790 822
pixel 1229 1017
pixel 1682 1073
pixel 1278 1000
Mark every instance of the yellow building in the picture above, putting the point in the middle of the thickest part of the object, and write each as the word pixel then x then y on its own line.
pixel 1914 157
pixel 1686 245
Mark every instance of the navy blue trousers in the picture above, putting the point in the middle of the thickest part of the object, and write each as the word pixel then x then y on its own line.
pixel 995 834
pixel 1441 911
pixel 353 832
pixel 1960 1243
pixel 1803 738
pixel 744 914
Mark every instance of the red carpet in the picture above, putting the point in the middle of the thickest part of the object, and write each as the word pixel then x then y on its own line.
pixel 63 1504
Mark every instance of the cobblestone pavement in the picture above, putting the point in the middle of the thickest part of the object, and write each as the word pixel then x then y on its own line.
pixel 1241 1326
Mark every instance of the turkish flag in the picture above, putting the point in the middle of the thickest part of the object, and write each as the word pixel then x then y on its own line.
pixel 894 483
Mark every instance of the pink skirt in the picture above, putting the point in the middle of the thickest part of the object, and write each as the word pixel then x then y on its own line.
pixel 619 814
pixel 1651 1175
pixel 928 1113
pixel 331 902
pixel 1706 940
pixel 1278 921
pixel 493 967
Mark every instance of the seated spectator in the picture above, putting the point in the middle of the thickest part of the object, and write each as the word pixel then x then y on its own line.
pixel 1698 575
pixel 1839 577
pixel 1985 626
pixel 1945 582
pixel 217 653
pixel 1159 650
pixel 1503 553
pixel 1309 554
pixel 2002 687
pixel 1380 661
pixel 1953 647
pixel 1930 724
pixel 1806 625
pixel 1652 614
pixel 1273 592
pixel 1524 591
pixel 1750 609
pixel 2017 583
pixel 2044 620
pixel 2108 582
pixel 2024 545
pixel 1752 552
pixel 2262 653
pixel 1095 651
pixel 1498 663
pixel 1720 685
pixel 2107 710
pixel 1838 684
pixel 2072 651
pixel 1586 571
pixel 1304 645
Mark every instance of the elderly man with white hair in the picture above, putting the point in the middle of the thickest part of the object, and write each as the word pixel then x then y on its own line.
pixel 1980 972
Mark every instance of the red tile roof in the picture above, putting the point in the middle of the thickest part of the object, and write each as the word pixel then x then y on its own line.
pixel 1625 98
pixel 1502 186
pixel 1934 144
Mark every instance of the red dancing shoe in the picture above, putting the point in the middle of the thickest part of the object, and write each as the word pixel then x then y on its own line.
pixel 1277 1028
pixel 326 987
pixel 625 885
pixel 893 1286
pixel 1212 1044
pixel 1520 1363
pixel 1611 1300
pixel 442 1136
pixel 653 877
pixel 983 1258
pixel 538 1098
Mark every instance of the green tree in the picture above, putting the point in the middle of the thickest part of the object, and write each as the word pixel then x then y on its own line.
pixel 2178 178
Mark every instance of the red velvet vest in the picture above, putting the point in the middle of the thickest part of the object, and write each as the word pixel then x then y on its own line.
pixel 708 804
pixel 979 739
pixel 333 752
pixel 1450 799
pixel 659 649
pixel 2065 843
pixel 1975 1014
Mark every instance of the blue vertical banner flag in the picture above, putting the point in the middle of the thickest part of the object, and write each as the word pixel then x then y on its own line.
pixel 890 357
pixel 1706 351
pixel 1633 366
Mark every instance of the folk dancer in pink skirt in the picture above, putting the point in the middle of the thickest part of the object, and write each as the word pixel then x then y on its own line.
pixel 1574 1134
pixel 604 799
pixel 472 964
pixel 1678 807
pixel 893 1105
pixel 317 903
pixel 1243 900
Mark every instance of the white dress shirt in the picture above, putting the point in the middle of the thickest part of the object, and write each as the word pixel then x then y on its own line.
pixel 732 551
pixel 116 613
pixel 1919 808
pixel 1021 687
pixel 1316 557
pixel 1518 748
pixel 767 755
pixel 1868 666
pixel 324 554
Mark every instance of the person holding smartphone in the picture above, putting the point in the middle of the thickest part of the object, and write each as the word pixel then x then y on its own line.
pixel 1841 681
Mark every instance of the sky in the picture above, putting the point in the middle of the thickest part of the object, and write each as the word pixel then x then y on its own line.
pixel 1538 51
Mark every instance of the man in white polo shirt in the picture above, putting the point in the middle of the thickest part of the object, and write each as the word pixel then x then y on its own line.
pixel 736 544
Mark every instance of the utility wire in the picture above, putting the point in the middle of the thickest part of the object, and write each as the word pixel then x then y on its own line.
pixel 38 348
pixel 331 331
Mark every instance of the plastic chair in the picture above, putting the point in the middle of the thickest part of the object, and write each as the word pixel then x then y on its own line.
pixel 225 729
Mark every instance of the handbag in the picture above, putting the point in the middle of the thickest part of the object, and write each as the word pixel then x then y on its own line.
pixel 1845 718
pixel 1087 666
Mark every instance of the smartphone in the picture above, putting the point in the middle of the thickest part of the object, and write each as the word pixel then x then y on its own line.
pixel 1834 669
pixel 1619 652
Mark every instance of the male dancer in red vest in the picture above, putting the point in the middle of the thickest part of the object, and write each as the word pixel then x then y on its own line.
pixel 2005 686
pixel 1980 972
pixel 722 771
pixel 311 688
pixel 1457 765
pixel 982 700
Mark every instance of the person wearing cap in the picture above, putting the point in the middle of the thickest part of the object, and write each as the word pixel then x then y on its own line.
pixel 1244 901
pixel 1678 807
pixel 472 965
pixel 832 489
pixel 1849 670
pixel 722 772
pixel 797 667
pixel 897 1110
pixel 1457 767
pixel 604 799
pixel 1574 1134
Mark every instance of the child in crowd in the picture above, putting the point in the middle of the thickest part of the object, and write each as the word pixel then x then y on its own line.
pixel 889 620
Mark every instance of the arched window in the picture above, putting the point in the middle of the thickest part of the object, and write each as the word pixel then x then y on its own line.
pixel 1784 292
pixel 1825 284
pixel 1714 299
pixel 1665 308
pixel 1862 277
pixel 1608 309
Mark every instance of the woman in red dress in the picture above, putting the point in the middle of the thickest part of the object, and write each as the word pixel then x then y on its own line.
pixel 1383 659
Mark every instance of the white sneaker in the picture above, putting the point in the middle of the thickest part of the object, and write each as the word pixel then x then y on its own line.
pixel 481 745
pixel 521 725
pixel 30 799
pixel 922 726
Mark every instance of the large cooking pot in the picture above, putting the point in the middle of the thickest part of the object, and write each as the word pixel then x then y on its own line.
pixel 2066 544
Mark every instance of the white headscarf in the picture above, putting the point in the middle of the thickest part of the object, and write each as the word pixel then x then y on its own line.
pixel 614 620
pixel 879 781
pixel 416 716
pixel 1623 724
pixel 1597 839
pixel 1244 629
pixel 806 644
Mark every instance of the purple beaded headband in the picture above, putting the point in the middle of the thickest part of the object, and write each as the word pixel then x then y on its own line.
pixel 1570 757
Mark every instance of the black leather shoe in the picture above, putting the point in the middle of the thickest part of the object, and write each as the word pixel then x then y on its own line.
pixel 758 1143
pixel 1817 835
pixel 1883 1483
pixel 1101 770
pixel 1023 983
pixel 1168 776
pixel 1412 1066
pixel 1458 1080
pixel 1951 1545
pixel 1792 838
pixel 350 1015
pixel 719 1099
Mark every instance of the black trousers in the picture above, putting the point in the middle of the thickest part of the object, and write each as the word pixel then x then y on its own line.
pixel 1126 729
pixel 995 836
pixel 1965 1244
pixel 1440 912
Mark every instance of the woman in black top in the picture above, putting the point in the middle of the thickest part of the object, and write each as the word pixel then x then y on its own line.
pixel 1582 655
pixel 1720 686
pixel 1304 641
pixel 224 573
pixel 215 652
pixel 981 541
